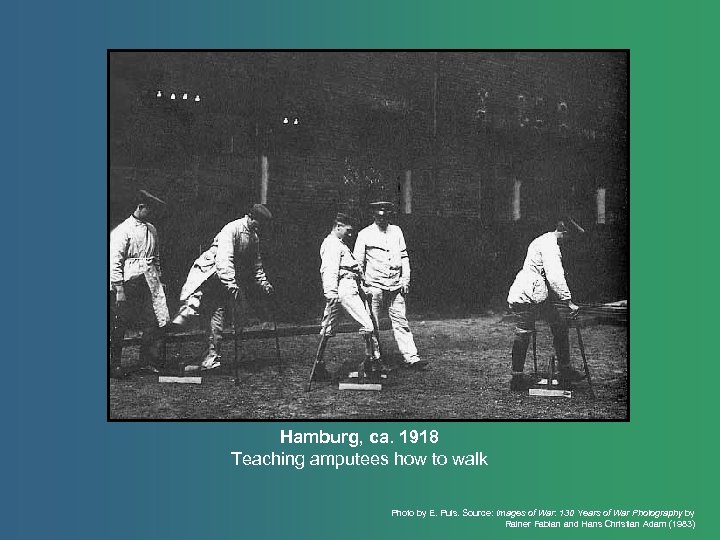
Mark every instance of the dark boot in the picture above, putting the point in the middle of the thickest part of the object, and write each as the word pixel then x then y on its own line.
pixel 321 374
pixel 117 334
pixel 370 369
pixel 561 341
pixel 519 383
pixel 115 369
pixel 152 348
pixel 519 351
pixel 372 352
pixel 569 375
pixel 116 372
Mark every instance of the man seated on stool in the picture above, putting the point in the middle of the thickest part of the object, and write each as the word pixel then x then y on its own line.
pixel 528 299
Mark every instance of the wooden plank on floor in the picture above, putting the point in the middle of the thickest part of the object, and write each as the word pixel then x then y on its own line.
pixel 544 392
pixel 357 386
pixel 181 380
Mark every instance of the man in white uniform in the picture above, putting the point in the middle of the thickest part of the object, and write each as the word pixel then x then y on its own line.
pixel 380 249
pixel 136 293
pixel 528 298
pixel 218 278
pixel 341 274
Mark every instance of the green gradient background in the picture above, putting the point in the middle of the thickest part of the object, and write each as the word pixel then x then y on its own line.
pixel 72 475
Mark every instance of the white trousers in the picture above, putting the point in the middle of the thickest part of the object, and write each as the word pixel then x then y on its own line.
pixel 395 303
pixel 354 306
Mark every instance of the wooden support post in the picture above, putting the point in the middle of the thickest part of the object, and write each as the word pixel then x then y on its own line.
pixel 585 364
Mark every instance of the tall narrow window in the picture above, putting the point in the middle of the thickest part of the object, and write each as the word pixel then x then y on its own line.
pixel 264 179
pixel 406 193
pixel 516 200
pixel 600 196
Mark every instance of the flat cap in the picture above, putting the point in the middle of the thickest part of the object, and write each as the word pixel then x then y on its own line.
pixel 568 224
pixel 260 211
pixel 148 197
pixel 382 208
pixel 345 219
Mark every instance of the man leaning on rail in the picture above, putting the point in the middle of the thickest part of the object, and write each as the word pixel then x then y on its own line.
pixel 542 273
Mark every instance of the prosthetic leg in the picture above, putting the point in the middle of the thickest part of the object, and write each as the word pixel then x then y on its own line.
pixel 377 353
pixel 370 369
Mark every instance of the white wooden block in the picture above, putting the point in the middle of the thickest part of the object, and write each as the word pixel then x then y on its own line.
pixel 543 382
pixel 356 386
pixel 354 375
pixel 181 380
pixel 544 392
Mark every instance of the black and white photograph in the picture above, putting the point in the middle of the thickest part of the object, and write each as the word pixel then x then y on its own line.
pixel 368 235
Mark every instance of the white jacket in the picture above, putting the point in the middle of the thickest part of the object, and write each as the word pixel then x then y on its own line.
pixel 337 263
pixel 133 248
pixel 542 268
pixel 135 253
pixel 383 257
pixel 234 256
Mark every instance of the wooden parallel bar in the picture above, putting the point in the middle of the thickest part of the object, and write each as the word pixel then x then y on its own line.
pixel 283 331
pixel 587 319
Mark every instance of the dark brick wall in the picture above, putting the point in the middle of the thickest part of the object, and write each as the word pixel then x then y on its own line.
pixel 376 113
